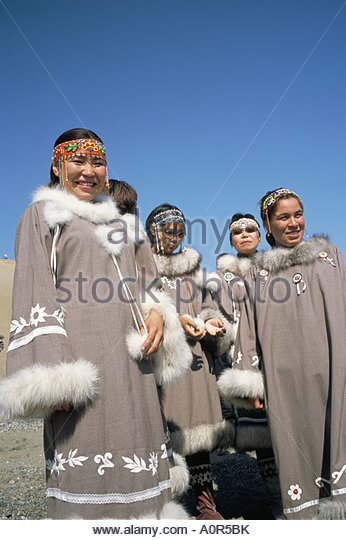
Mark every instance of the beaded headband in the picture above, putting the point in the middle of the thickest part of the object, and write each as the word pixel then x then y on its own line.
pixel 274 196
pixel 167 216
pixel 69 148
pixel 91 146
pixel 243 223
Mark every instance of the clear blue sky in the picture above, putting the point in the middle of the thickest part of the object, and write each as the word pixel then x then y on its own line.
pixel 206 104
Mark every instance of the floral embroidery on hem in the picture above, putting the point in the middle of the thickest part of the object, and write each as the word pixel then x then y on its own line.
pixel 38 315
pixel 295 492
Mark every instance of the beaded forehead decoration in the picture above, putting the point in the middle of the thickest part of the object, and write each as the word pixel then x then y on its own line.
pixel 274 196
pixel 82 146
pixel 243 223
pixel 167 216
pixel 161 219
pixel 85 146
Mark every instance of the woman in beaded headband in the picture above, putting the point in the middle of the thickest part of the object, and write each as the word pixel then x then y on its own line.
pixel 79 164
pixel 244 234
pixel 282 213
pixel 165 227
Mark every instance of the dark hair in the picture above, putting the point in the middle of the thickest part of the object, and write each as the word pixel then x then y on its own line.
pixel 70 135
pixel 157 210
pixel 124 195
pixel 269 237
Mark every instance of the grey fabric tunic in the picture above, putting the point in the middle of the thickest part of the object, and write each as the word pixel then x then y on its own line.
pixel 252 431
pixel 191 403
pixel 107 457
pixel 294 324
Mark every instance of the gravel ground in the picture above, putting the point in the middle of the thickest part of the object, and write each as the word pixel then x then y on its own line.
pixel 239 489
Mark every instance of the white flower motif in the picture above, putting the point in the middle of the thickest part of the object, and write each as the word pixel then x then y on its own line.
pixel 17 326
pixel 59 316
pixel 72 460
pixel 255 360
pixel 295 492
pixel 153 463
pixel 164 454
pixel 58 464
pixel 41 315
pixel 136 464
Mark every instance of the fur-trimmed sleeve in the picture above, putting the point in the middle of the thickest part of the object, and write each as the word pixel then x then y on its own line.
pixel 174 356
pixel 244 380
pixel 40 371
pixel 211 310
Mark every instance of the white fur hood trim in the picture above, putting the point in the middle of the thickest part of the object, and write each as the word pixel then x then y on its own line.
pixel 278 259
pixel 36 390
pixel 178 264
pixel 239 266
pixel 62 205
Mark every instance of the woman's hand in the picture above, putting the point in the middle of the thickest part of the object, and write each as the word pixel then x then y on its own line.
pixel 191 328
pixel 257 403
pixel 63 407
pixel 154 324
pixel 215 327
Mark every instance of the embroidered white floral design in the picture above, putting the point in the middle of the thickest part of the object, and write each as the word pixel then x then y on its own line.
pixel 172 283
pixel 106 462
pixel 338 474
pixel 295 492
pixel 164 454
pixel 255 361
pixel 239 357
pixel 72 460
pixel 57 464
pixel 320 481
pixel 137 464
pixel 153 463
pixel 38 315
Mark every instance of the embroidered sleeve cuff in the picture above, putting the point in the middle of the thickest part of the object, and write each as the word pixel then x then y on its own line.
pixel 238 386
pixel 36 390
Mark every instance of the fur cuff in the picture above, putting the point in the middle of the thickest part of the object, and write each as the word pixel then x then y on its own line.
pixel 180 476
pixel 222 343
pixel 237 386
pixel 174 356
pixel 36 390
pixel 332 509
pixel 171 510
pixel 203 438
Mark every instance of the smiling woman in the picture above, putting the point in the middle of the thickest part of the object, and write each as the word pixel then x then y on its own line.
pixel 290 353
pixel 83 363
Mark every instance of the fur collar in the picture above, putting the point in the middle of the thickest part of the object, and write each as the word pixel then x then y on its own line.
pixel 112 228
pixel 282 258
pixel 62 205
pixel 178 264
pixel 239 266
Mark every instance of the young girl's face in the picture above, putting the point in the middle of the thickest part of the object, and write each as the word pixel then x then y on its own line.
pixel 172 235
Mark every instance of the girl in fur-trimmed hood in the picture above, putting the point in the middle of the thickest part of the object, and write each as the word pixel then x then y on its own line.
pixel 292 326
pixel 84 353
pixel 191 405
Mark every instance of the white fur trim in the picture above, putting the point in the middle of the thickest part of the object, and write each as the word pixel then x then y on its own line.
pixel 174 356
pixel 36 390
pixel 179 475
pixel 332 509
pixel 239 266
pixel 237 386
pixel 171 510
pixel 62 204
pixel 198 320
pixel 278 259
pixel 178 264
pixel 252 437
pixel 113 243
pixel 206 437
pixel 134 342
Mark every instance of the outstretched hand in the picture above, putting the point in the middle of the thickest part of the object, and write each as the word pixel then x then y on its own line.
pixel 192 328
pixel 215 327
